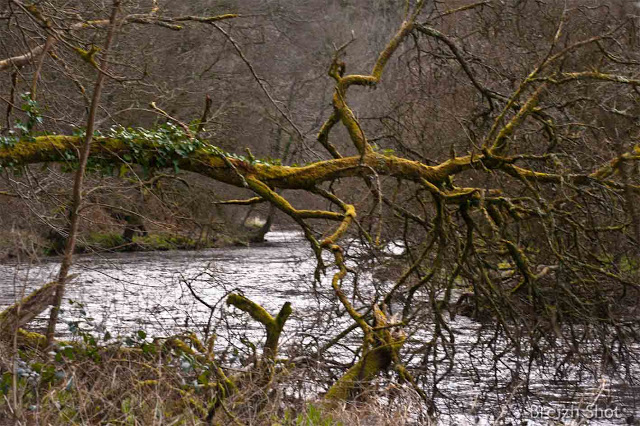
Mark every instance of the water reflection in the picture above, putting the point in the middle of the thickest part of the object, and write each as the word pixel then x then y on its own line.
pixel 125 292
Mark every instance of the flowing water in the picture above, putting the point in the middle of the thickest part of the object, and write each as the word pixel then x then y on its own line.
pixel 158 292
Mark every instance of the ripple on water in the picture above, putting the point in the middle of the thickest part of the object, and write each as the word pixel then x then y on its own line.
pixel 124 292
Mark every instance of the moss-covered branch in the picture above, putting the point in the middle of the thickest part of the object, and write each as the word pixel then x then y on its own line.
pixel 378 355
pixel 366 369
pixel 342 111
pixel 210 161
pixel 25 310
pixel 272 325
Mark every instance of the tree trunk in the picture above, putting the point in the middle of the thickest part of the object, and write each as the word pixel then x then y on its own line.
pixel 74 214
pixel 25 310
pixel 258 237
pixel 368 368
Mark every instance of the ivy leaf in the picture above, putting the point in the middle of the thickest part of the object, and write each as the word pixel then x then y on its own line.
pixel 21 126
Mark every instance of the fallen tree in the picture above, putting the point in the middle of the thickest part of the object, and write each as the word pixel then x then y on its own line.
pixel 25 310
pixel 520 232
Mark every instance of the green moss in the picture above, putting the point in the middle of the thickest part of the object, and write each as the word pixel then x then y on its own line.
pixel 165 242
pixel 629 264
pixel 31 339
pixel 372 363
pixel 272 325
pixel 313 415
pixel 114 241
pixel 25 310
pixel 103 241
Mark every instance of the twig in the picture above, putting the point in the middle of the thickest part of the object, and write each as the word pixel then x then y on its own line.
pixel 260 82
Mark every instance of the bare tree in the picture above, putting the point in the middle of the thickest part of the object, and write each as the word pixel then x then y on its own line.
pixel 76 203
pixel 505 167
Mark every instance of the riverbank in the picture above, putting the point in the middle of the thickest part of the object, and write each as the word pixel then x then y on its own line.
pixel 112 242
pixel 21 244
pixel 139 381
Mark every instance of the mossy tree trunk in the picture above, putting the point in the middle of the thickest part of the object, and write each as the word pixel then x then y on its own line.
pixel 371 364
pixel 380 350
pixel 25 310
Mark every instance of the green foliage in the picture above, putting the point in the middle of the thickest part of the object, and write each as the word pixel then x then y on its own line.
pixel 60 391
pixel 137 339
pixel 8 141
pixel 161 147
pixel 82 327
pixel 115 241
pixel 170 143
pixel 34 116
pixel 104 241
pixel 164 242
pixel 25 128
pixel 31 373
pixel 5 382
pixel 312 416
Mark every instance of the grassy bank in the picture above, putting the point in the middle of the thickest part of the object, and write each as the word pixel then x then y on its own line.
pixel 22 244
pixel 112 241
pixel 144 381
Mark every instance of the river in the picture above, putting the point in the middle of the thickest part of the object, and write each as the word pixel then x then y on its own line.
pixel 125 292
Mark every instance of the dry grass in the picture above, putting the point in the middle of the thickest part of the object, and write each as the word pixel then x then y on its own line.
pixel 161 384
